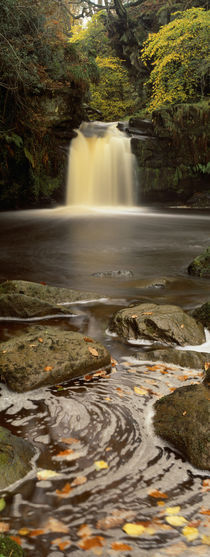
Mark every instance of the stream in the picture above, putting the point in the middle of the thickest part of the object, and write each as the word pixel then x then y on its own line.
pixel 96 433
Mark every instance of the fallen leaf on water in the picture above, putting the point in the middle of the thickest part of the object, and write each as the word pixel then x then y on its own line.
pixel 4 527
pixel 48 368
pixel 100 373
pixel 160 503
pixel 93 351
pixel 206 485
pixel 205 539
pixel 88 377
pixel 84 531
pixel 158 494
pixel 37 532
pixel 46 474
pixel 87 339
pixel 172 510
pixel 54 525
pixel 66 452
pixel 140 391
pixel 190 533
pixel 61 543
pixel 16 539
pixel 64 491
pixel 205 511
pixel 113 361
pixel 89 543
pixel 176 520
pixel 69 440
pixel 133 529
pixel 117 546
pixel 2 504
pixel 183 377
pixel 100 464
pixel 117 517
pixel 80 480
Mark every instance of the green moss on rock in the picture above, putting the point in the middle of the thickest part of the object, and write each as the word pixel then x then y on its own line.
pixel 9 548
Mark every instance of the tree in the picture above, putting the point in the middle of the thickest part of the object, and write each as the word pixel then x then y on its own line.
pixel 179 57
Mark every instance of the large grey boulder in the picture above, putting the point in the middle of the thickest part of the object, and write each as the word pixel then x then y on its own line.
pixel 15 458
pixel 182 419
pixel 164 323
pixel 47 356
pixel 182 358
pixel 23 299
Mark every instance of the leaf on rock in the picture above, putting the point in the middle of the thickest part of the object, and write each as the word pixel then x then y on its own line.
pixel 100 464
pixel 117 546
pixel 93 351
pixel 190 533
pixel 87 339
pixel 48 368
pixel 176 520
pixel 133 529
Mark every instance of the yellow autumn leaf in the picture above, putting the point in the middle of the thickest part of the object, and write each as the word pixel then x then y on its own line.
pixel 172 510
pixel 100 464
pixel 190 533
pixel 46 474
pixel 176 520
pixel 205 539
pixel 133 529
pixel 140 391
pixel 93 351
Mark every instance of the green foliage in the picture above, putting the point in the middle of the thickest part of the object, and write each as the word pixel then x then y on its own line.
pixel 180 59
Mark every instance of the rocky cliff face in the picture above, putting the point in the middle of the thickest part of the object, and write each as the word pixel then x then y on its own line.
pixel 172 153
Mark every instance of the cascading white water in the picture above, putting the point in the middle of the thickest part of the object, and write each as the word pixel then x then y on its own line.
pixel 101 167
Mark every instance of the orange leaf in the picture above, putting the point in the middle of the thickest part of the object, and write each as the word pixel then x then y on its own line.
pixel 69 440
pixel 121 546
pixel 40 339
pixel 66 452
pixel 205 511
pixel 16 539
pixel 64 491
pixel 61 544
pixel 84 531
pixel 48 368
pixel 206 366
pixel 38 532
pixel 79 481
pixel 89 543
pixel 87 339
pixel 93 351
pixel 88 377
pixel 158 494
pixel 4 527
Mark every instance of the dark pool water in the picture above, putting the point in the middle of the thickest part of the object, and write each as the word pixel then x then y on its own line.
pixel 105 419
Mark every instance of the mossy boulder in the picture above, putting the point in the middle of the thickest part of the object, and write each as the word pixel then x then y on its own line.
pixel 15 458
pixel 202 314
pixel 162 323
pixel 181 418
pixel 47 356
pixel 182 358
pixel 200 266
pixel 9 548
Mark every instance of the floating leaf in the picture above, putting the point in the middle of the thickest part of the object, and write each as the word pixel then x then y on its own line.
pixel 54 525
pixel 46 474
pixel 172 510
pixel 117 546
pixel 16 539
pixel 37 532
pixel 140 391
pixel 2 504
pixel 158 494
pixel 190 533
pixel 69 440
pixel 61 543
pixel 100 464
pixel 64 491
pixel 84 531
pixel 133 529
pixel 80 480
pixel 89 543
pixel 66 452
pixel 205 539
pixel 205 511
pixel 176 520
pixel 4 527
pixel 117 518
pixel 93 351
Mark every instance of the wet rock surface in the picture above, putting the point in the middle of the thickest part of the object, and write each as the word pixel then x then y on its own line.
pixel 47 356
pixel 202 314
pixel 182 358
pixel 181 418
pixel 164 323
pixel 15 457
pixel 200 266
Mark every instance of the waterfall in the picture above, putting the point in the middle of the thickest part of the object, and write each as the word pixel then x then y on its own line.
pixel 101 167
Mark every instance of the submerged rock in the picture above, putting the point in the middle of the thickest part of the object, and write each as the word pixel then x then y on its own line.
pixel 166 323
pixel 15 457
pixel 47 356
pixel 200 266
pixel 182 358
pixel 9 548
pixel 119 273
pixel 23 299
pixel 202 314
pixel 181 418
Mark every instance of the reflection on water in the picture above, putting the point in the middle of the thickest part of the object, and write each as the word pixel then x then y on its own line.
pixel 103 418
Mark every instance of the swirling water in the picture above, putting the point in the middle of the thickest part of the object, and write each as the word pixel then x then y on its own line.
pixel 106 418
